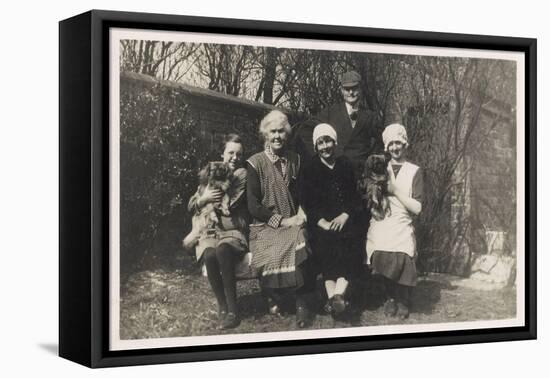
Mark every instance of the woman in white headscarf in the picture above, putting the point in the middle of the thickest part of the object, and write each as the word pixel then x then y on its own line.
pixel 391 242
pixel 330 200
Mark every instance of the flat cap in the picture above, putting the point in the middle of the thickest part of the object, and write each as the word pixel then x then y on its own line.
pixel 350 79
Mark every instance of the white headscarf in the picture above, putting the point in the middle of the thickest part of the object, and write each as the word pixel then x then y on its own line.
pixel 394 133
pixel 324 129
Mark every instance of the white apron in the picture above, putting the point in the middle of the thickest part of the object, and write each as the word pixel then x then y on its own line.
pixel 395 233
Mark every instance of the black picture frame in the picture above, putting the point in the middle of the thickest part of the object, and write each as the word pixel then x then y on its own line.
pixel 84 187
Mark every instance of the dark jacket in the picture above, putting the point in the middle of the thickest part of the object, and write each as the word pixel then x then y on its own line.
pixel 327 193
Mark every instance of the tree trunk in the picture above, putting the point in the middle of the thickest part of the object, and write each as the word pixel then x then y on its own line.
pixel 269 77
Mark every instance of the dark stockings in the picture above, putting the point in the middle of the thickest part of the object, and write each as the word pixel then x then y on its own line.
pixel 277 296
pixel 220 267
pixel 400 293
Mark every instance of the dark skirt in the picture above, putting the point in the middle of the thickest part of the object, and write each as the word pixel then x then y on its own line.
pixel 397 266
pixel 234 238
pixel 335 255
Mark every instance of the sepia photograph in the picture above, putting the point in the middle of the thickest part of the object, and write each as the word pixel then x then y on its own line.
pixel 266 189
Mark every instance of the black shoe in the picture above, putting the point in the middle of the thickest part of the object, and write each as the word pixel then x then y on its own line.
pixel 390 307
pixel 222 313
pixel 355 318
pixel 302 317
pixel 327 308
pixel 231 320
pixel 402 311
pixel 273 308
pixel 338 304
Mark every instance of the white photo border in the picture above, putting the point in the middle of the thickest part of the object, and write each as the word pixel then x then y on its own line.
pixel 118 34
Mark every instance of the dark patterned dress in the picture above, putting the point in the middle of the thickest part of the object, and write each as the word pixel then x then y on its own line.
pixel 277 251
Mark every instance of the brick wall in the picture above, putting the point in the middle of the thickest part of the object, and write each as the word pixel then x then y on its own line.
pixel 485 199
pixel 217 114
pixel 493 180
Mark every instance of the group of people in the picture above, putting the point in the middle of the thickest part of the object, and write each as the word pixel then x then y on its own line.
pixel 300 214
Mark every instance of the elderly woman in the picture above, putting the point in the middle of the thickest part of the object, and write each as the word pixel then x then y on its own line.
pixel 277 238
pixel 391 242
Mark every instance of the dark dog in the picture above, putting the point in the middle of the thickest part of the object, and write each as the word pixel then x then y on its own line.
pixel 375 185
pixel 215 175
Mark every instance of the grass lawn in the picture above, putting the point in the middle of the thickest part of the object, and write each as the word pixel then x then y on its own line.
pixel 176 303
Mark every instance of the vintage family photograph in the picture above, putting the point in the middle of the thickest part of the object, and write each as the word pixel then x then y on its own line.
pixel 278 189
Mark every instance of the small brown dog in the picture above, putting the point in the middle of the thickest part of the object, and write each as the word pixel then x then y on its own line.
pixel 375 185
pixel 215 175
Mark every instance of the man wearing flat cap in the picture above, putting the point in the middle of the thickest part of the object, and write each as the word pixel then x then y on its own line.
pixel 356 127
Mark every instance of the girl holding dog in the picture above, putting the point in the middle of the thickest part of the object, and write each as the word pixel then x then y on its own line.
pixel 391 242
pixel 330 199
pixel 221 248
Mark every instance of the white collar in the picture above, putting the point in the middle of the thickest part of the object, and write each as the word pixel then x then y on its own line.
pixel 331 166
pixel 350 108
pixel 274 157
